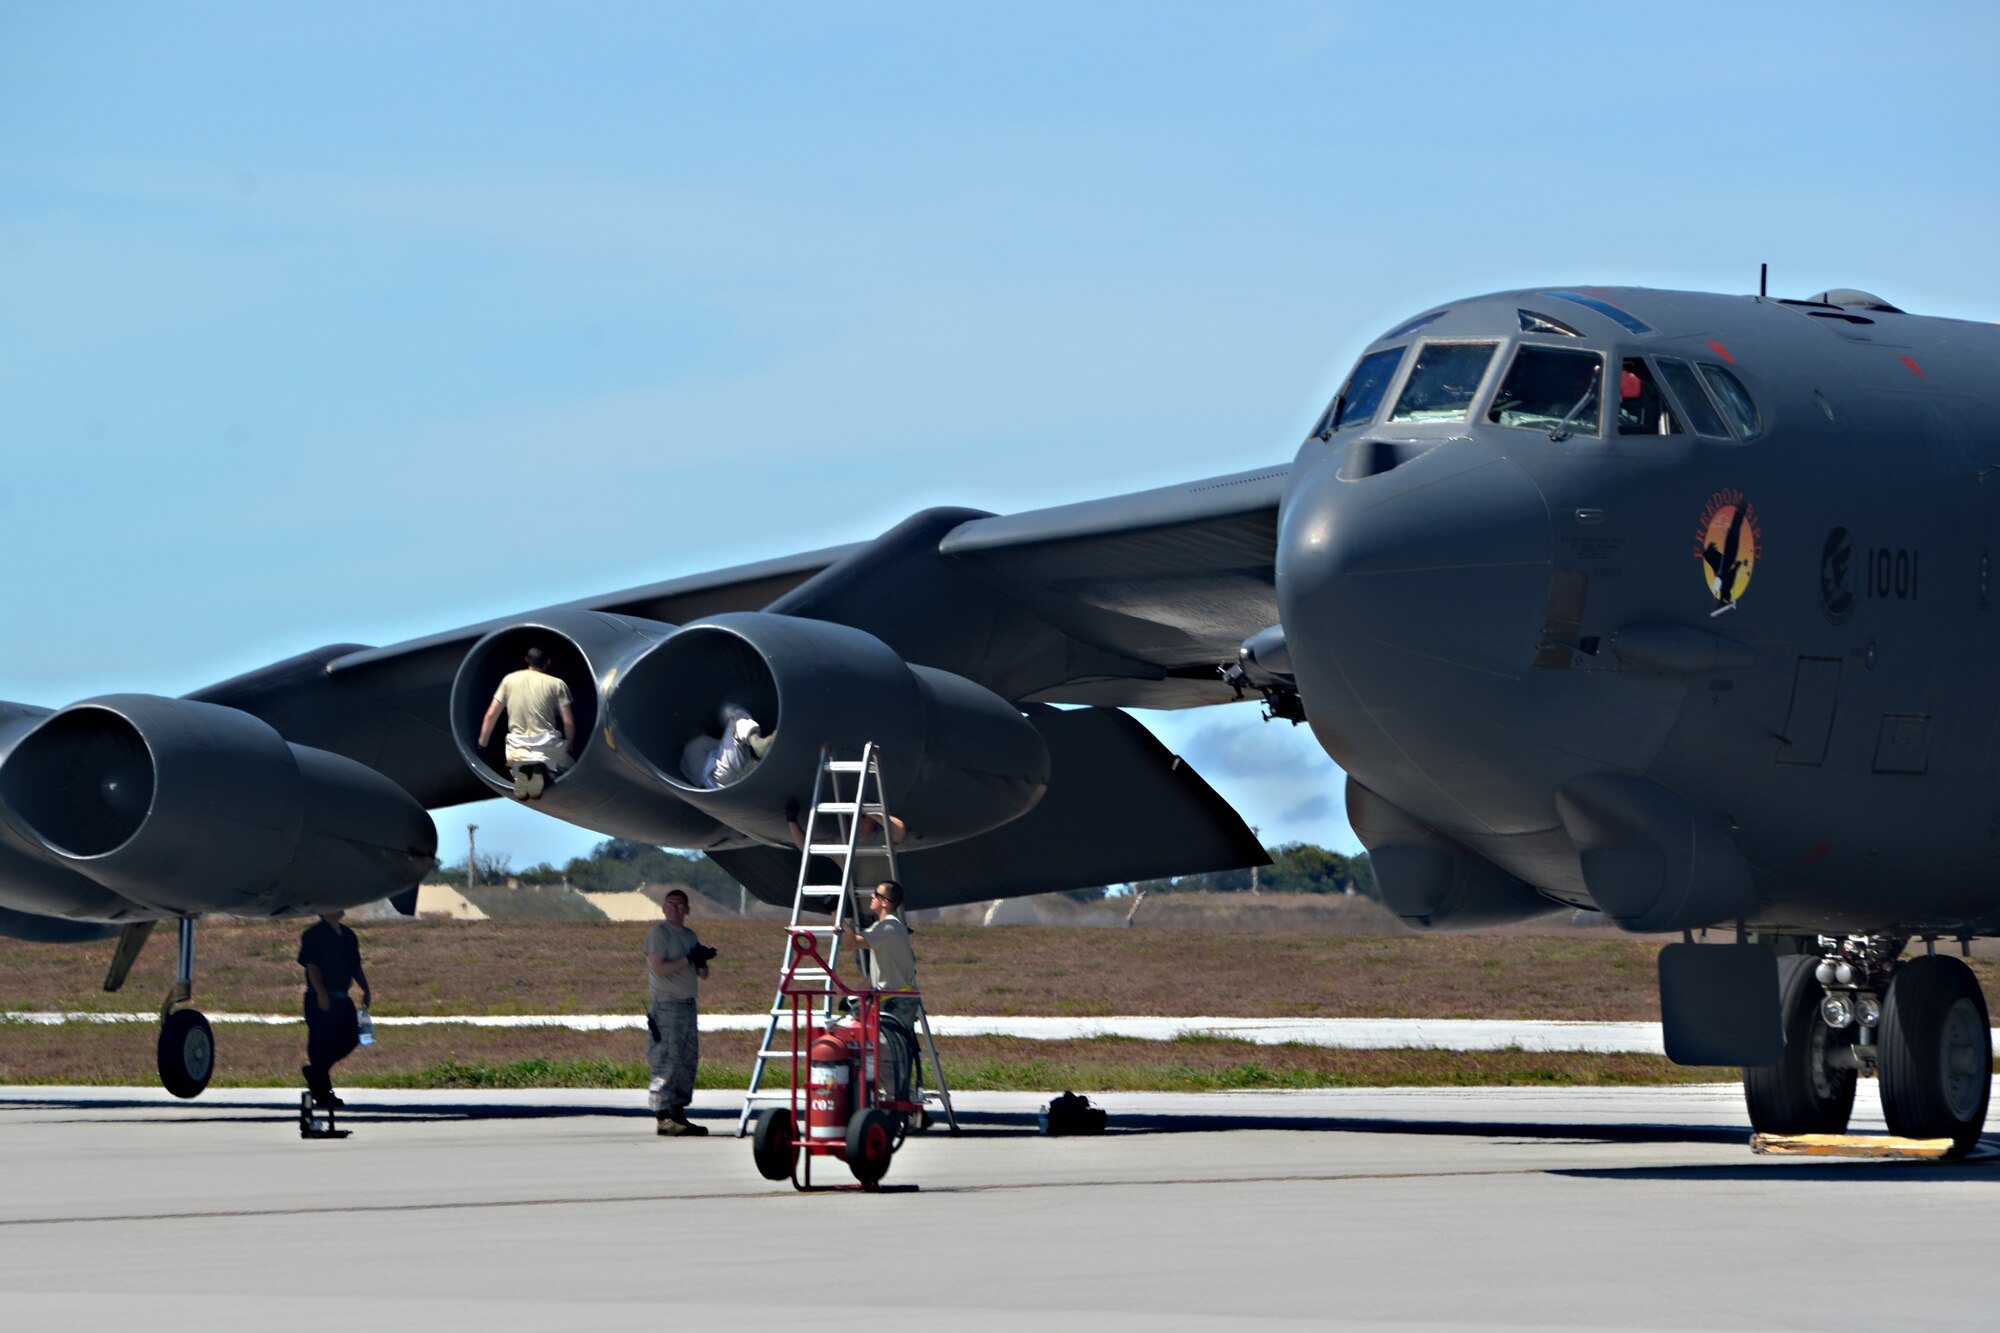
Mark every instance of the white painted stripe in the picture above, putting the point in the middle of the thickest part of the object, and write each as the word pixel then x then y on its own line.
pixel 1349 1033
pixel 1376 1034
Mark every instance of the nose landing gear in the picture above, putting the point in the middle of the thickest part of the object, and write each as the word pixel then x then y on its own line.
pixel 1850 1009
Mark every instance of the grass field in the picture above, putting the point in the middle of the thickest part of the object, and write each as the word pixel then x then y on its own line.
pixel 493 967
pixel 440 968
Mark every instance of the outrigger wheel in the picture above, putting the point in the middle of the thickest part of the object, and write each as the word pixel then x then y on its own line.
pixel 871 1142
pixel 187 1052
pixel 772 1144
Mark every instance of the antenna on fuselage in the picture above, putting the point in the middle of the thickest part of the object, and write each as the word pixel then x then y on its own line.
pixel 1763 280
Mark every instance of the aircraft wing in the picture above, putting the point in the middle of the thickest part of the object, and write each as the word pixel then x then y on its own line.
pixel 1134 600
pixel 1128 601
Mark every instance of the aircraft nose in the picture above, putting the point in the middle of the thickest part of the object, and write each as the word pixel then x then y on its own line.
pixel 1413 601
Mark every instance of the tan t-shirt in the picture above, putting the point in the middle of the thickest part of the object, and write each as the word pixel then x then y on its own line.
pixel 533 700
pixel 892 965
pixel 670 942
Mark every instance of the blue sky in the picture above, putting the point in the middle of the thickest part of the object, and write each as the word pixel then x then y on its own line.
pixel 354 323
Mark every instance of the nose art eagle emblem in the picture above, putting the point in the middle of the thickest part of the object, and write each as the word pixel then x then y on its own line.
pixel 1728 542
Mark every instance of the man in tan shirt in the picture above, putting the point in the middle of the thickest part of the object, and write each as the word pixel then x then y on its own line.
pixel 536 704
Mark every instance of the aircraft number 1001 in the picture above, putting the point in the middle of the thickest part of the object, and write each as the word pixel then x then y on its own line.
pixel 1892 573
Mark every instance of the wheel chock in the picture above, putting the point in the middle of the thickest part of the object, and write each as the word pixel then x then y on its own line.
pixel 1879 1146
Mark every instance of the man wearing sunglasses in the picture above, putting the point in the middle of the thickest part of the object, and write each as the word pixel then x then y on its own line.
pixel 892 966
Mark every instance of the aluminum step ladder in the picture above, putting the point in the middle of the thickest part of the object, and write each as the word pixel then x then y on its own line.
pixel 833 830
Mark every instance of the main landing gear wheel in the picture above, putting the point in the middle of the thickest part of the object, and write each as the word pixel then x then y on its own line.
pixel 771 1144
pixel 187 1052
pixel 1803 1093
pixel 1937 1053
pixel 870 1144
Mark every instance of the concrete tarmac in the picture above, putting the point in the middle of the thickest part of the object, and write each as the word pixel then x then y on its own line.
pixel 1402 1208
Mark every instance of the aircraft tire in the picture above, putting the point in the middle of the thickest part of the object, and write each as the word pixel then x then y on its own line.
pixel 771 1144
pixel 186 1053
pixel 1937 1053
pixel 1803 1093
pixel 870 1144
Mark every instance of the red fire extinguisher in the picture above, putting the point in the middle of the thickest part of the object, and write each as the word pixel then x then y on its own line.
pixel 830 1090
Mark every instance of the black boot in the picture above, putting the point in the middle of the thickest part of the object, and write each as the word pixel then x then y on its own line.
pixel 321 1087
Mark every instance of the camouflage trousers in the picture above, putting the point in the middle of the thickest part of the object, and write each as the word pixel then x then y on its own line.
pixel 673 1049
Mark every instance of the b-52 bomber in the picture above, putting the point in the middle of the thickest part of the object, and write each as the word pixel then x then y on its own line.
pixel 1672 606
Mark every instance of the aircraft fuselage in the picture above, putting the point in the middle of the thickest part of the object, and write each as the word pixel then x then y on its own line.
pixel 1753 572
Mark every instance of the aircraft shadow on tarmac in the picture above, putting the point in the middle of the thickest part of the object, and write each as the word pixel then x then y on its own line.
pixel 1012 1124
pixel 974 1124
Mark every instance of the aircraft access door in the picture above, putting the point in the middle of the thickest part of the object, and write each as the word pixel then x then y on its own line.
pixel 1815 689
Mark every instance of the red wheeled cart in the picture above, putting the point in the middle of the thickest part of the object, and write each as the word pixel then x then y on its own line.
pixel 838 1105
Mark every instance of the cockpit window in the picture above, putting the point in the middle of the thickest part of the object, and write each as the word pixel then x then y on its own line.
pixel 1443 381
pixel 1701 413
pixel 1734 398
pixel 1643 407
pixel 1532 322
pixel 1551 389
pixel 1361 397
pixel 1405 329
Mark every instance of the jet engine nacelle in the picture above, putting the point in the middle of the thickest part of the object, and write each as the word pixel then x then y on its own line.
pixel 608 787
pixel 1430 881
pixel 188 807
pixel 958 759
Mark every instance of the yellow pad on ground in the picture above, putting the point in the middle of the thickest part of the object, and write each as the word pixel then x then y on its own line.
pixel 1847 1145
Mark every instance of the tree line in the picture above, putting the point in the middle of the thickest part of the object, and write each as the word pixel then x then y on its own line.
pixel 613 866
pixel 1296 867
pixel 616 866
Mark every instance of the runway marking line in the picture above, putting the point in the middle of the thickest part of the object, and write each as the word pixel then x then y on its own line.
pixel 470 1204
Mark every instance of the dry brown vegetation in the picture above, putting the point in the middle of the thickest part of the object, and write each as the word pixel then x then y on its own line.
pixel 439 968
pixel 443 968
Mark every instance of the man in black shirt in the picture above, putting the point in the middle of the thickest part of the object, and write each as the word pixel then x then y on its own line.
pixel 331 956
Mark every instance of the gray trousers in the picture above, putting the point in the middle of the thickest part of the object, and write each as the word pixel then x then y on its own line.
pixel 673 1049
pixel 902 1064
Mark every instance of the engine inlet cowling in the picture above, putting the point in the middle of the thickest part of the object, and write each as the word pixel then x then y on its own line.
pixel 606 787
pixel 191 807
pixel 958 759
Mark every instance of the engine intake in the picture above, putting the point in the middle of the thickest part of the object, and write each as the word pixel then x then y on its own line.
pixel 193 807
pixel 607 788
pixel 958 759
